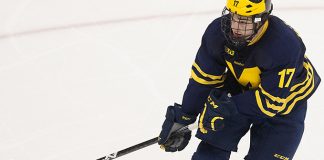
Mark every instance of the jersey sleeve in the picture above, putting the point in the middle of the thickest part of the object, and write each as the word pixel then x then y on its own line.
pixel 207 72
pixel 280 91
pixel 207 68
pixel 288 78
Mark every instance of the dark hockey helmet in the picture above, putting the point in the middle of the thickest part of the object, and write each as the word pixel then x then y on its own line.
pixel 242 19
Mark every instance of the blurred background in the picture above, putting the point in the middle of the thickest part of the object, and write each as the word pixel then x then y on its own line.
pixel 80 79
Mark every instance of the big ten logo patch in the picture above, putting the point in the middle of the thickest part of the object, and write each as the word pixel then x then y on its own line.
pixel 229 51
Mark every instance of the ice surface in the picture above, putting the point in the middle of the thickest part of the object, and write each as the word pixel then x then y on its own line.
pixel 80 79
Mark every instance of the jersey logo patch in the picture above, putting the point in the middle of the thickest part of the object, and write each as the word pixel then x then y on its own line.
pixel 229 51
pixel 248 77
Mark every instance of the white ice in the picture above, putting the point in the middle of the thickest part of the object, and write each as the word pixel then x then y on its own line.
pixel 80 79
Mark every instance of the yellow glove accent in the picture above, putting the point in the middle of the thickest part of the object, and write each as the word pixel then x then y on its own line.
pixel 213 120
pixel 201 125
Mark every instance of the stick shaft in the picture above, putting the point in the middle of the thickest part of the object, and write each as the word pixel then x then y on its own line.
pixel 141 145
pixel 130 149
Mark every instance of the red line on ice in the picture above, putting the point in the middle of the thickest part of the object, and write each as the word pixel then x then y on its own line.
pixel 133 19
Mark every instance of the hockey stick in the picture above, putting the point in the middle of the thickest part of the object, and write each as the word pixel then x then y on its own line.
pixel 143 144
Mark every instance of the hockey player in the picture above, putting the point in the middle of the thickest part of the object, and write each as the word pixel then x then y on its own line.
pixel 250 73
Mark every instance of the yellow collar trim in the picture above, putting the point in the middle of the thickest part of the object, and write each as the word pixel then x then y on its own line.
pixel 259 35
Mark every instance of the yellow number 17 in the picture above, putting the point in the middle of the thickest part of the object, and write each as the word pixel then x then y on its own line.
pixel 282 74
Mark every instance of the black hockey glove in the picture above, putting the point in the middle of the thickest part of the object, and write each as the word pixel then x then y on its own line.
pixel 170 139
pixel 218 108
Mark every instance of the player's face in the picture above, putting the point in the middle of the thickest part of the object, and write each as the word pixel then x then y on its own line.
pixel 241 26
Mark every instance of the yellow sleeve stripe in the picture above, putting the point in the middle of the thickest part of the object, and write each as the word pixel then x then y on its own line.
pixel 292 95
pixel 260 105
pixel 274 107
pixel 213 77
pixel 299 98
pixel 304 91
pixel 312 80
pixel 202 81
pixel 309 81
pixel 309 75
pixel 273 98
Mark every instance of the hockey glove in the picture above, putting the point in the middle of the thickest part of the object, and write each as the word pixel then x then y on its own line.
pixel 218 108
pixel 169 139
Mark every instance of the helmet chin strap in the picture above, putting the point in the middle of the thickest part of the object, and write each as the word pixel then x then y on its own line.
pixel 259 22
pixel 259 33
pixel 257 27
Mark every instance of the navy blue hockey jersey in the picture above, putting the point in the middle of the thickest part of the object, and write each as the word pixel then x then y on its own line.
pixel 272 73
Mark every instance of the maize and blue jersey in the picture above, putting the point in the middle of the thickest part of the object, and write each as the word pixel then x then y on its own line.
pixel 273 73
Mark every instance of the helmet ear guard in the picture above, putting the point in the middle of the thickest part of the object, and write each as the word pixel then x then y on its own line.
pixel 265 15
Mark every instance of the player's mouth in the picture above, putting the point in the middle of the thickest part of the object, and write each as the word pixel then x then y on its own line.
pixel 237 35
